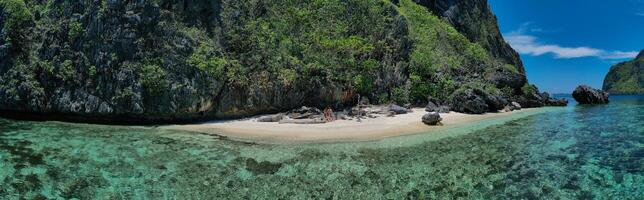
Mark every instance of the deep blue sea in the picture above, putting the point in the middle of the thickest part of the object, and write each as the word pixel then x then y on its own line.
pixel 575 152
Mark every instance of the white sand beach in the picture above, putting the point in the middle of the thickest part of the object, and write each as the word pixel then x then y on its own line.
pixel 338 131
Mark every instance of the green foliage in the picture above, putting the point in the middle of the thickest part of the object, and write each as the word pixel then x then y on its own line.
pixel 485 87
pixel 438 50
pixel 626 78
pixel 124 94
pixel 510 67
pixel 355 46
pixel 204 59
pixel 19 83
pixel 363 84
pixel 92 71
pixel 331 42
pixel 16 26
pixel 529 89
pixel 400 95
pixel 75 29
pixel 288 76
pixel 153 79
pixel 67 71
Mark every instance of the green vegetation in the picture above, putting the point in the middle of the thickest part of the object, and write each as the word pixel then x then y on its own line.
pixel 16 26
pixel 152 78
pixel 204 58
pixel 439 55
pixel 67 71
pixel 487 88
pixel 529 89
pixel 75 29
pixel 626 78
pixel 326 43
pixel 269 54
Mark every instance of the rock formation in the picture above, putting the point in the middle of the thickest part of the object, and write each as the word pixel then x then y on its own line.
pixel 432 118
pixel 586 95
pixel 183 60
pixel 626 77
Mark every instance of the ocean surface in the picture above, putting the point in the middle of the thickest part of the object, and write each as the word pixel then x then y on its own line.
pixel 575 152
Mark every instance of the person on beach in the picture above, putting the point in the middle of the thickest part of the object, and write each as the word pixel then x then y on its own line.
pixel 328 114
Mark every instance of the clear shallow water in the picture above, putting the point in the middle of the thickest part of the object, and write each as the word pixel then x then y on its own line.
pixel 577 152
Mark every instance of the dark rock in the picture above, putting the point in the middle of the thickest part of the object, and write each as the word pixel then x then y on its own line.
pixel 504 77
pixel 432 104
pixel 586 95
pixel 263 167
pixel 495 103
pixel 443 109
pixel 408 106
pixel 544 95
pixel 477 101
pixel 530 100
pixel 557 102
pixel 547 100
pixel 432 118
pixel 270 118
pixel 470 101
pixel 305 113
pixel 397 109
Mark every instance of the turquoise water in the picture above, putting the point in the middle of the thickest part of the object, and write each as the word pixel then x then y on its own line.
pixel 576 152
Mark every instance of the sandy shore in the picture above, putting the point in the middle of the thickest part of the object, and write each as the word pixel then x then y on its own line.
pixel 341 130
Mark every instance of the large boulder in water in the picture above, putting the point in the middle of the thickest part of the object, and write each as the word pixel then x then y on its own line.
pixel 432 118
pixel 557 102
pixel 586 95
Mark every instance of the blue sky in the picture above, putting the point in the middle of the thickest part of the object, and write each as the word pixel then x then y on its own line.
pixel 564 43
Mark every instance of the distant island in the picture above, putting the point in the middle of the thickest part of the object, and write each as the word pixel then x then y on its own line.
pixel 626 77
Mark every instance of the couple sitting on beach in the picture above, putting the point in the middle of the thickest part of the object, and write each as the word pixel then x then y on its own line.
pixel 328 114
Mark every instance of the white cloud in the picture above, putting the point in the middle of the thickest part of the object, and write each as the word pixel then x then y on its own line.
pixel 619 55
pixel 528 44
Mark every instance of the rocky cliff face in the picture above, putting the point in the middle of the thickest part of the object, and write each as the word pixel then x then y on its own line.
pixel 180 60
pixel 475 20
pixel 626 77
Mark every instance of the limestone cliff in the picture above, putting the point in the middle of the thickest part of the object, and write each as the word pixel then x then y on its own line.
pixel 181 60
pixel 626 77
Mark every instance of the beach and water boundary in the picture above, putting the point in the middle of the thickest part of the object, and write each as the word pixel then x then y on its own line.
pixel 341 131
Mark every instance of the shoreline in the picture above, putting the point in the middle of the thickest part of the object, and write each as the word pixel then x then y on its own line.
pixel 371 129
